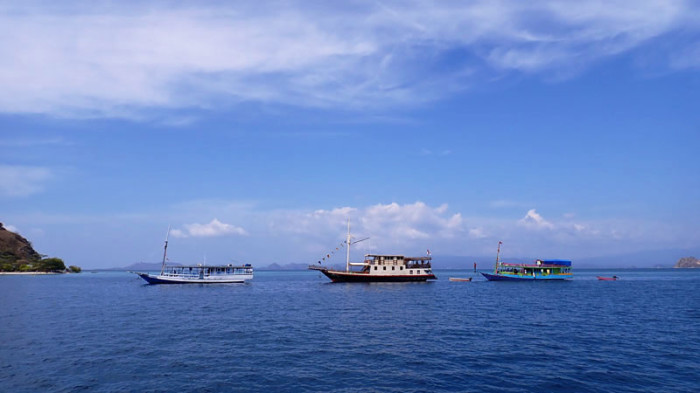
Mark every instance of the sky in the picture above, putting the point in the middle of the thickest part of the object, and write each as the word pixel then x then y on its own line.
pixel 256 129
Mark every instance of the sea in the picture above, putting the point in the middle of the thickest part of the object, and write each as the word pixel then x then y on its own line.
pixel 294 331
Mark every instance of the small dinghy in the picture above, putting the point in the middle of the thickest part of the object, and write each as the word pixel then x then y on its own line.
pixel 613 278
pixel 460 279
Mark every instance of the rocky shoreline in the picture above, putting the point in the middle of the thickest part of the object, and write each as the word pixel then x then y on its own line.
pixel 688 262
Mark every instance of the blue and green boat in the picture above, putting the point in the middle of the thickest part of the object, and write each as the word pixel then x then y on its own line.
pixel 540 269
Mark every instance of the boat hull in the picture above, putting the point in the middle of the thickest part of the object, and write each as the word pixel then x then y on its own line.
pixel 338 276
pixel 503 277
pixel 153 279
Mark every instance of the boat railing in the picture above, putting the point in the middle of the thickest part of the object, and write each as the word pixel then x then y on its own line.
pixel 207 272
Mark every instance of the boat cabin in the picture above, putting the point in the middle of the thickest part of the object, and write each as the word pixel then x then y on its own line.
pixel 396 264
pixel 539 268
pixel 202 271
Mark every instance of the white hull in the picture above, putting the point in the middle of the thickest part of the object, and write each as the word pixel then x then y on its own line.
pixel 170 279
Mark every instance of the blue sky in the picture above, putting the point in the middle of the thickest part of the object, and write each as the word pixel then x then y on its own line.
pixel 255 129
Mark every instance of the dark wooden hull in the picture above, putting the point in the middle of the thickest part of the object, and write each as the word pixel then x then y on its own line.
pixel 338 276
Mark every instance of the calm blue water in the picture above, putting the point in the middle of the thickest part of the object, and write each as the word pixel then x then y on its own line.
pixel 294 331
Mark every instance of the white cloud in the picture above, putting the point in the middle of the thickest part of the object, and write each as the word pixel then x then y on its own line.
pixel 214 228
pixel 411 221
pixel 390 226
pixel 533 220
pixel 477 233
pixel 121 59
pixel 21 181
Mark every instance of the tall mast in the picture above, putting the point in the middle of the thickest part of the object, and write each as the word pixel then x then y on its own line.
pixel 495 270
pixel 165 251
pixel 347 259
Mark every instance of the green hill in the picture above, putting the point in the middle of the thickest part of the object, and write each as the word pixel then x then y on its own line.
pixel 18 255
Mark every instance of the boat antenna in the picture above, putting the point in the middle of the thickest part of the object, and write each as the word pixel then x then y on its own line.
pixel 495 270
pixel 165 251
pixel 348 241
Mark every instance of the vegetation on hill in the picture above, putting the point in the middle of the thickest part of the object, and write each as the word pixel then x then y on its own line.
pixel 18 255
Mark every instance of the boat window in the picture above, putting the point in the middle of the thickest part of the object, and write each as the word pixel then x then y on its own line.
pixel 410 272
pixel 400 267
pixel 375 268
pixel 384 267
pixel 393 268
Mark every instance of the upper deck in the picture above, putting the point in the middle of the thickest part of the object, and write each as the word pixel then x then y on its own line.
pixel 397 260
pixel 207 270
pixel 540 263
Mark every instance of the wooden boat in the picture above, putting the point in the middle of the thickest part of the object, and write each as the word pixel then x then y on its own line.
pixel 460 279
pixel 613 278
pixel 380 268
pixel 198 274
pixel 541 269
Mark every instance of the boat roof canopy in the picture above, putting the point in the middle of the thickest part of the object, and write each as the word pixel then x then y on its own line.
pixel 201 266
pixel 379 256
pixel 561 262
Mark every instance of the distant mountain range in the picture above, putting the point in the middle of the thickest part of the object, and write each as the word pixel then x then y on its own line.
pixel 141 266
pixel 288 266
pixel 642 259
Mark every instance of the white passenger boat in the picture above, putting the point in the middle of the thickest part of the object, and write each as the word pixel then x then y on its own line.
pixel 198 274
pixel 380 268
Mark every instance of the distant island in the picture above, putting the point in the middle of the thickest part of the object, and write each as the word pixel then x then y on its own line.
pixel 154 266
pixel 687 262
pixel 18 256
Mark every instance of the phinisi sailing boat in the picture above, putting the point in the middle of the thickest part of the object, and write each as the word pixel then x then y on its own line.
pixel 380 268
pixel 199 273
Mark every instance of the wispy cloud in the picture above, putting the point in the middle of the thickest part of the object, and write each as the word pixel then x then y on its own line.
pixel 687 58
pixel 477 233
pixel 21 181
pixel 11 228
pixel 212 229
pixel 33 142
pixel 118 60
